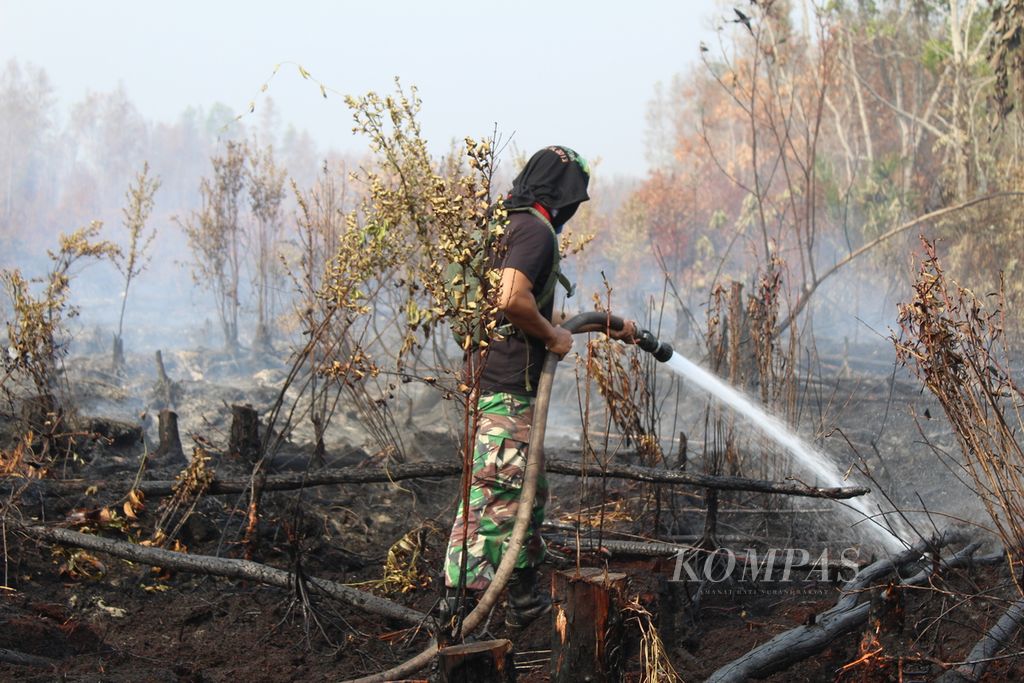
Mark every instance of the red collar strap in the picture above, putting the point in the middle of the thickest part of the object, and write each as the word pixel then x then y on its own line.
pixel 543 211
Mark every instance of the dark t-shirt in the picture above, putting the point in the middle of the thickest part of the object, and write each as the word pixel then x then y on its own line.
pixel 513 364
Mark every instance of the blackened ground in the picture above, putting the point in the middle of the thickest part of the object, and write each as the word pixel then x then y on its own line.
pixel 102 619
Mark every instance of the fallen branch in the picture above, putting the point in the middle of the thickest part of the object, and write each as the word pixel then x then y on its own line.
pixel 276 482
pixel 221 566
pixel 988 647
pixel 361 475
pixel 613 547
pixel 616 547
pixel 722 483
pixel 846 616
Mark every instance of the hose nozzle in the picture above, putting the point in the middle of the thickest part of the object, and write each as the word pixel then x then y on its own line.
pixel 649 343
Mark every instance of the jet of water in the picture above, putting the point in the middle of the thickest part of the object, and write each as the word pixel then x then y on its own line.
pixel 810 459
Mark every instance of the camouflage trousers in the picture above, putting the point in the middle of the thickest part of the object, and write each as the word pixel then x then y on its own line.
pixel 499 469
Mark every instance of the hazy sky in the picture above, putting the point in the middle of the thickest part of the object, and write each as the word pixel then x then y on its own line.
pixel 569 72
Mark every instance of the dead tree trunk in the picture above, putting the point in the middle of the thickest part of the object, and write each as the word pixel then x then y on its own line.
pixel 245 433
pixel 489 661
pixel 586 644
pixel 988 647
pixel 169 451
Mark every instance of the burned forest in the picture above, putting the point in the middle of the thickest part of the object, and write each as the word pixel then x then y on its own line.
pixel 239 375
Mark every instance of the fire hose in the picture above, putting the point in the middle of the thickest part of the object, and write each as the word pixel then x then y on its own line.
pixel 593 321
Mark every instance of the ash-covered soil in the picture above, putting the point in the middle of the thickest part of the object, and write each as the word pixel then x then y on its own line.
pixel 83 616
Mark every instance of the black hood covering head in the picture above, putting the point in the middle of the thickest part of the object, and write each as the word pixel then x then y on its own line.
pixel 555 177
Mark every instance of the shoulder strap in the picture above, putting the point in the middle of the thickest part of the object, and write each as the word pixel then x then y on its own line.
pixel 547 293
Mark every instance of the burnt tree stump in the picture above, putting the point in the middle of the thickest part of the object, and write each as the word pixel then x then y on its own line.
pixel 244 441
pixel 587 640
pixel 488 661
pixel 681 455
pixel 169 451
pixel 165 391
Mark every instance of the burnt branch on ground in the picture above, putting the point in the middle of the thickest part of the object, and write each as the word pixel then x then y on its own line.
pixel 849 613
pixel 221 566
pixel 351 475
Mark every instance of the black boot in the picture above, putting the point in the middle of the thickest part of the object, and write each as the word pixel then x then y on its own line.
pixel 525 601
pixel 449 605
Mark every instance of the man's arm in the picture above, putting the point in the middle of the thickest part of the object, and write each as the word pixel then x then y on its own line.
pixel 517 303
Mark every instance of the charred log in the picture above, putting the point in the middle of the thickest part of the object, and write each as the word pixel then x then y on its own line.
pixel 722 483
pixel 280 482
pixel 613 547
pixel 845 617
pixel 226 567
pixel 352 475
pixel 988 647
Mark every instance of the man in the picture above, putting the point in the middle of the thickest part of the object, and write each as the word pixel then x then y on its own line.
pixel 544 196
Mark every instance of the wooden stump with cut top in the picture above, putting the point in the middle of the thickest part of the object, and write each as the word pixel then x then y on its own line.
pixel 488 661
pixel 245 432
pixel 169 451
pixel 587 640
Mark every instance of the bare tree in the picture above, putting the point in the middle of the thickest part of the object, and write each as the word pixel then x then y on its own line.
pixel 215 237
pixel 265 182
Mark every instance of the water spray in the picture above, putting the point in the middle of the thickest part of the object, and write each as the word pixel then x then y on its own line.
pixel 806 455
pixel 799 451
